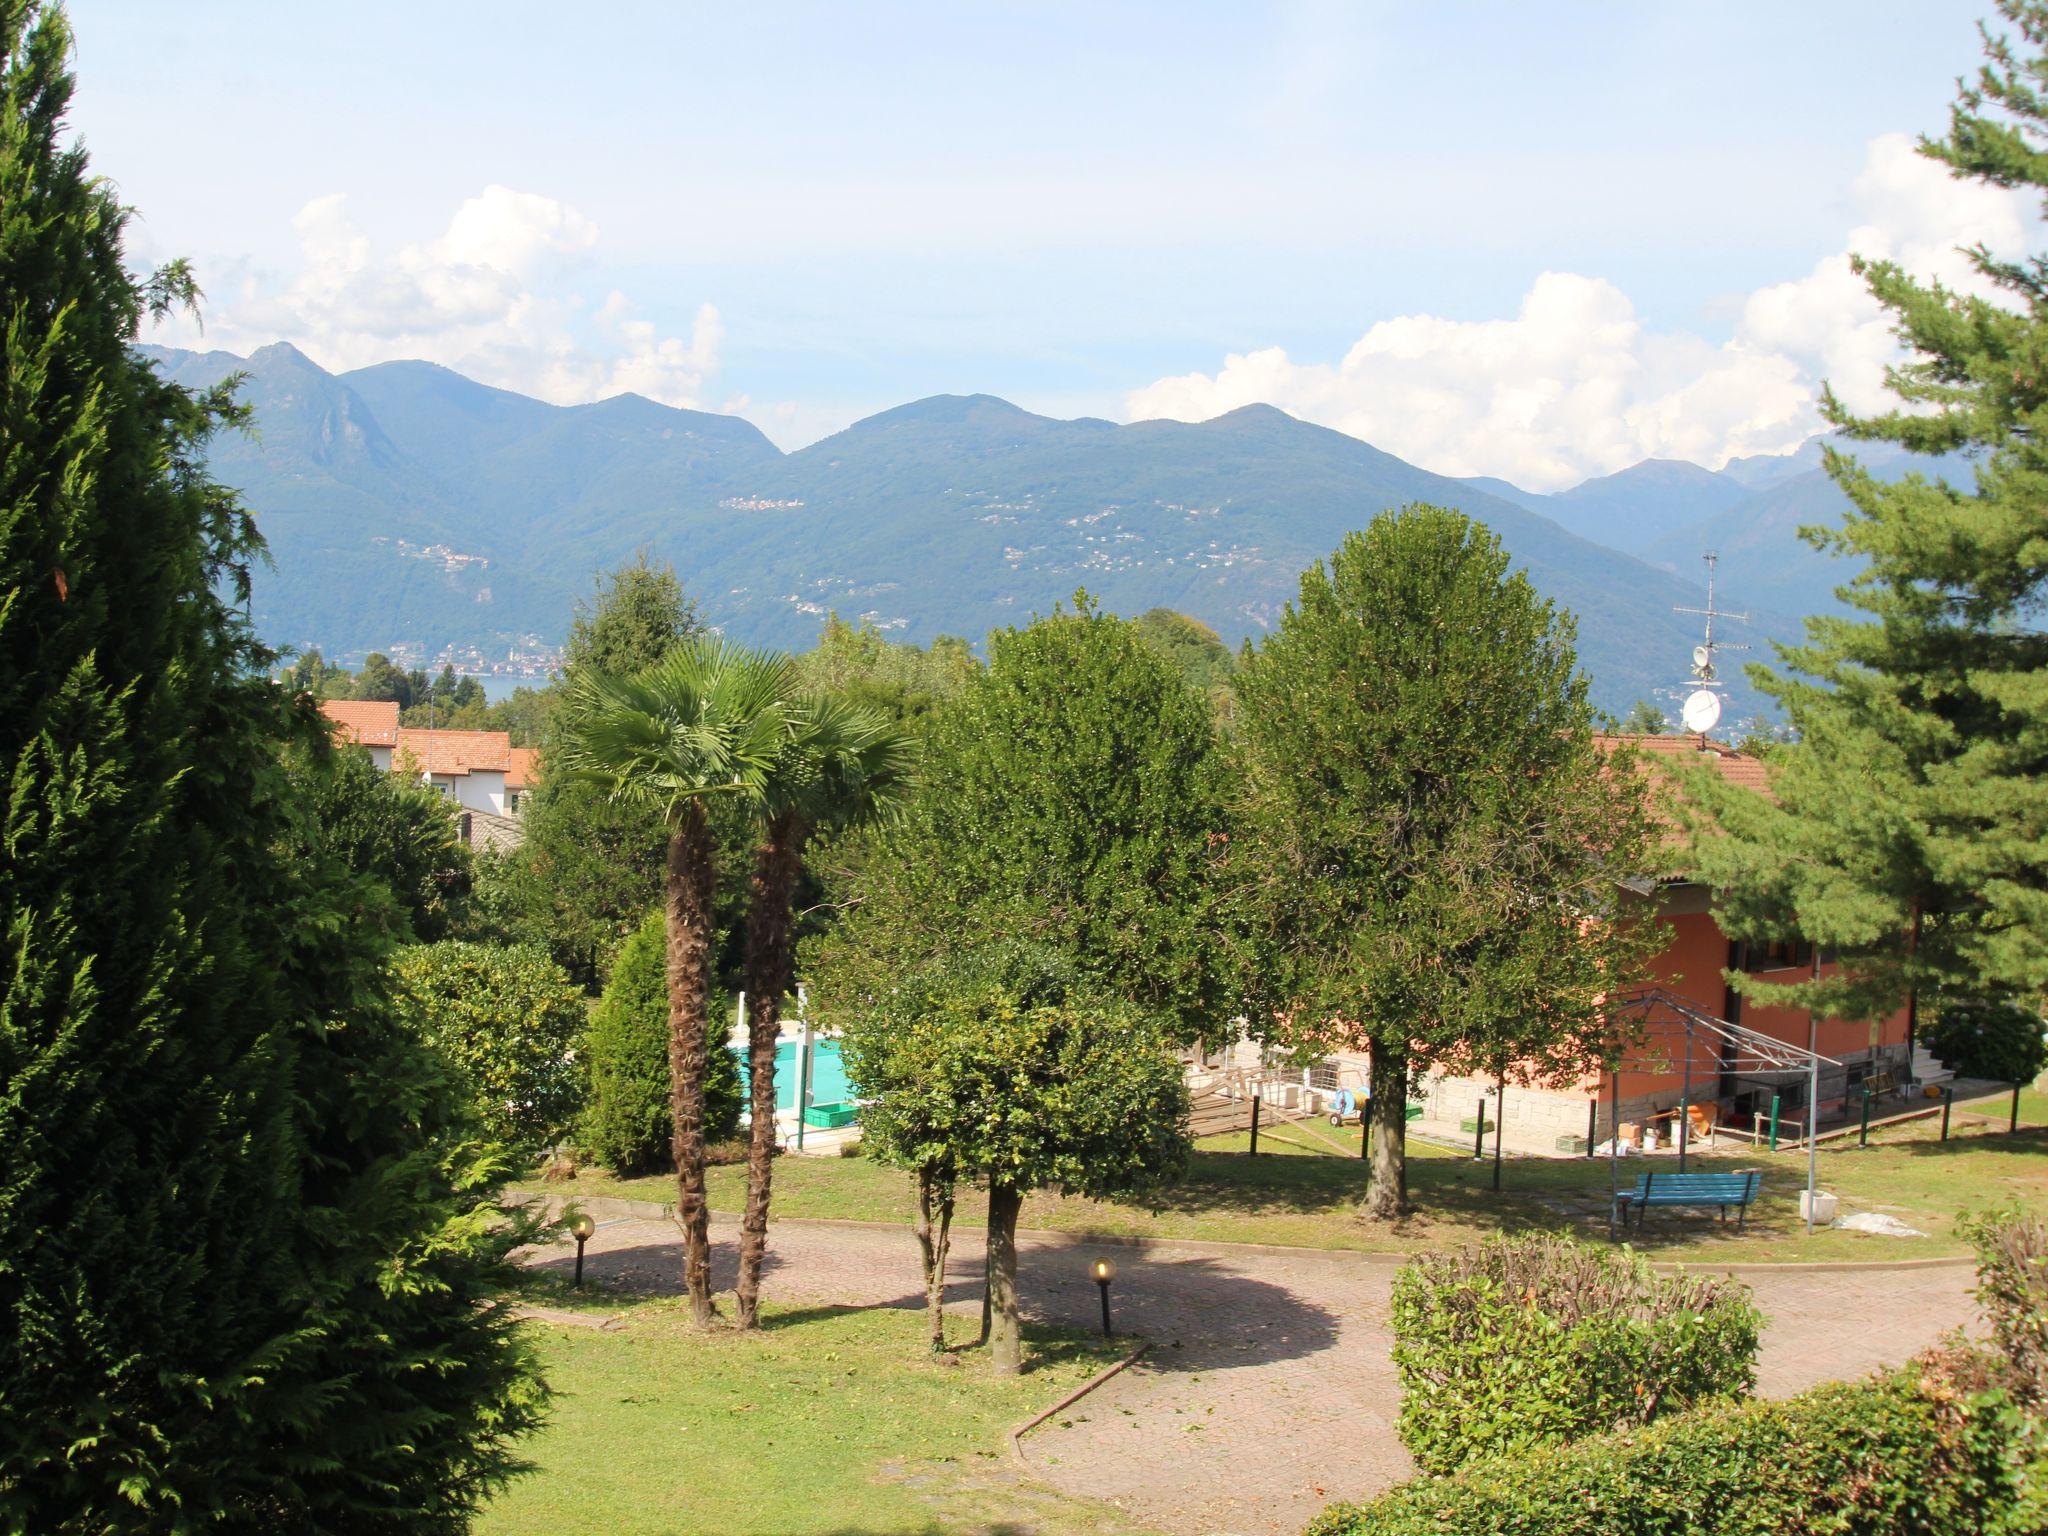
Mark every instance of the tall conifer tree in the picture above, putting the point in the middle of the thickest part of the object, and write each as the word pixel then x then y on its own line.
pixel 1907 832
pixel 248 1271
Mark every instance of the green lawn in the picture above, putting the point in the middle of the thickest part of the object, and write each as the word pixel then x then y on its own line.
pixel 830 1421
pixel 1295 1198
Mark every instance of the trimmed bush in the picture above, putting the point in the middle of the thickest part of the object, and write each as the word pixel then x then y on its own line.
pixel 508 1020
pixel 1905 1454
pixel 626 1123
pixel 1999 1039
pixel 1528 1342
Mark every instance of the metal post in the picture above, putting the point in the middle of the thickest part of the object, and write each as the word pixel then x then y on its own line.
pixel 1777 1098
pixel 1812 1110
pixel 1613 1149
pixel 1948 1102
pixel 1685 1100
pixel 1255 1123
pixel 1479 1137
pixel 579 1262
pixel 1103 1286
pixel 1365 1131
pixel 2014 1127
pixel 1592 1122
pixel 803 1077
pixel 1500 1114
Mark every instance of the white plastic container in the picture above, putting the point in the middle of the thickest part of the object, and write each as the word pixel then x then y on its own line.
pixel 1824 1206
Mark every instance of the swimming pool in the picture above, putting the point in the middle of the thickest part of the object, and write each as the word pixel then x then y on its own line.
pixel 829 1084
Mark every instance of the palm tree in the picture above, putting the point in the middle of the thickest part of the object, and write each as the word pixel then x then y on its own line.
pixel 709 720
pixel 840 765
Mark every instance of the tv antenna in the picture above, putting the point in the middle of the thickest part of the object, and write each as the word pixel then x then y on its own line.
pixel 1701 711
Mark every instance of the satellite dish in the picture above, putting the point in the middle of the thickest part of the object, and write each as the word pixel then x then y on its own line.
pixel 1702 658
pixel 1701 711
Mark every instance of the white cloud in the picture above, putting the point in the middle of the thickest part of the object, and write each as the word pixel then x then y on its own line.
pixel 494 296
pixel 1574 385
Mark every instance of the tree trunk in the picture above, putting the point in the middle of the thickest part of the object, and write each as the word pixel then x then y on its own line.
pixel 688 892
pixel 934 1240
pixel 1386 1190
pixel 769 890
pixel 1006 1341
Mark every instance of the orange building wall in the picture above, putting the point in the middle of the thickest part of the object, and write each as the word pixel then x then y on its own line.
pixel 1691 967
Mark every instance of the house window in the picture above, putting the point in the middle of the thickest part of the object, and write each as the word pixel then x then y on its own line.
pixel 1778 955
pixel 511 802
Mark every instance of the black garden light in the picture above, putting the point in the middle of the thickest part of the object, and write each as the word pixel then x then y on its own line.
pixel 1104 1271
pixel 581 1229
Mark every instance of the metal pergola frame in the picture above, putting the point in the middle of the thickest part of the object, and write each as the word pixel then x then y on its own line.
pixel 1655 1007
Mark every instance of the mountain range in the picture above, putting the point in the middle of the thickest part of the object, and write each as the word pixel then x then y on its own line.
pixel 405 504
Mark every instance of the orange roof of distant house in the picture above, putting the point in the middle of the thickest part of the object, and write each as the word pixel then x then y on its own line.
pixel 371 722
pixel 452 753
pixel 525 768
pixel 1736 767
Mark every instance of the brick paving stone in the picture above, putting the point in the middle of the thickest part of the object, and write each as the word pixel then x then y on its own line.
pixel 1269 1390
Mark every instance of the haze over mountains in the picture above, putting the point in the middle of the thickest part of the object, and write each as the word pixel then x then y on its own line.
pixel 406 503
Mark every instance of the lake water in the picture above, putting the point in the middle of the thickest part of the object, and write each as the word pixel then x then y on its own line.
pixel 499 686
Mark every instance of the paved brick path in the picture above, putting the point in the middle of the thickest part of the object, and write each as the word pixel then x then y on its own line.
pixel 1268 1391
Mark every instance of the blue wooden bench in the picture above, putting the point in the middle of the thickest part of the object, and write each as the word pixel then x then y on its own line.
pixel 1722 1190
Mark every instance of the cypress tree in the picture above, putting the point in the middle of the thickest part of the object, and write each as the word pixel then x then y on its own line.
pixel 1908 828
pixel 250 1259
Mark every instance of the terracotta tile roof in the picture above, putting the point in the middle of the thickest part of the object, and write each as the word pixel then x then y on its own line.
pixel 455 752
pixel 525 769
pixel 1733 766
pixel 372 722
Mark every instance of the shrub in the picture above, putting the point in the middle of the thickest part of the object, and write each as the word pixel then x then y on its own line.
pixel 2012 1290
pixel 1528 1342
pixel 2002 1040
pixel 508 1019
pixel 626 1123
pixel 1905 1454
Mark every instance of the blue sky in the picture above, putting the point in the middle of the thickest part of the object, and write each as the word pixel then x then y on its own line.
pixel 808 213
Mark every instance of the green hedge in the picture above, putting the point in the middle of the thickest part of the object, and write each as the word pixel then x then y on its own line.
pixel 508 1019
pixel 625 1123
pixel 1526 1342
pixel 1895 1456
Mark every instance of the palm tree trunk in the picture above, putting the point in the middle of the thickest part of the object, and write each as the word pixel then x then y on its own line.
pixel 1386 1190
pixel 688 892
pixel 1007 1343
pixel 770 887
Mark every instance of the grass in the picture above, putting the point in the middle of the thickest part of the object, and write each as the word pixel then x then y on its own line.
pixel 1300 1199
pixel 829 1422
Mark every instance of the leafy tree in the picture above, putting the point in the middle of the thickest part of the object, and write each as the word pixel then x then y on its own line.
pixel 1644 719
pixel 1904 830
pixel 1196 651
pixel 1430 838
pixel 1012 1070
pixel 637 616
pixel 379 679
pixel 627 1123
pixel 706 723
pixel 383 825
pixel 903 683
pixel 839 766
pixel 1070 795
pixel 2002 1039
pixel 508 1021
pixel 254 1275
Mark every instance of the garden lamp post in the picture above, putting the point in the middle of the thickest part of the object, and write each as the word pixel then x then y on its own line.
pixel 1104 1271
pixel 581 1229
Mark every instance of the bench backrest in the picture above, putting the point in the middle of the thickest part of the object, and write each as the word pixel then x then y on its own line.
pixel 1738 1185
